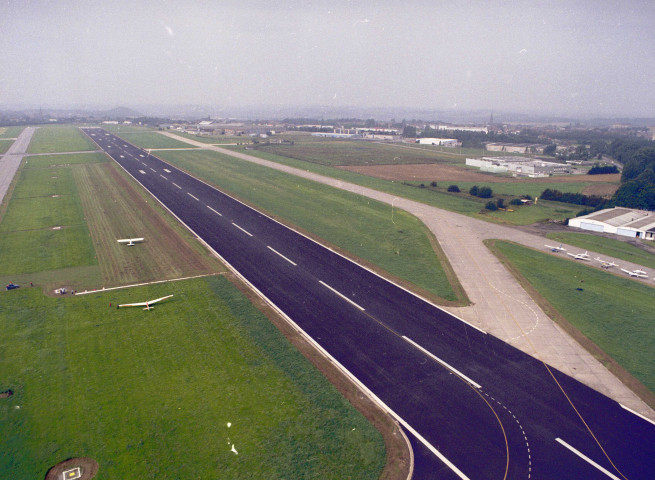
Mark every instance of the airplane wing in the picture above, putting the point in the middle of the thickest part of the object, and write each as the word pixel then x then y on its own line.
pixel 130 240
pixel 145 304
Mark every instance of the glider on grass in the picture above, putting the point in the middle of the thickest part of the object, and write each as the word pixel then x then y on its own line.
pixel 147 304
pixel 130 241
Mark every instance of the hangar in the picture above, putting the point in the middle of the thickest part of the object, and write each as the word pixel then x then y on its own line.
pixel 626 222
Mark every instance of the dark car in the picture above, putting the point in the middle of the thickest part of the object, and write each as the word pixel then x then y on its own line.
pixel 12 286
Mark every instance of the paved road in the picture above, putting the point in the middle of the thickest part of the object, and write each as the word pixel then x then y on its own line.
pixel 474 406
pixel 10 161
pixel 500 305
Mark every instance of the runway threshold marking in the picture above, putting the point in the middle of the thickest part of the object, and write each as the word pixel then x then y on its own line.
pixel 195 198
pixel 341 295
pixel 586 459
pixel 445 364
pixel 275 251
pixel 638 414
pixel 217 213
pixel 176 185
pixel 244 231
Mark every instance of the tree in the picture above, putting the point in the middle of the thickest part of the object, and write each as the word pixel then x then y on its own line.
pixel 474 190
pixel 409 131
pixel 485 192
pixel 433 184
pixel 550 149
pixel 500 203
pixel 491 206
pixel 453 188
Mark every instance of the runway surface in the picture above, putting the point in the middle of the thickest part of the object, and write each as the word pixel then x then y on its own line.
pixel 473 406
pixel 10 161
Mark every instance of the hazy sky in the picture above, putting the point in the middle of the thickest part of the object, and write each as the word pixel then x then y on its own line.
pixel 573 57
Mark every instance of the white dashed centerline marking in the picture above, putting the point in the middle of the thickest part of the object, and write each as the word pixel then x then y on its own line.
pixel 167 170
pixel 586 459
pixel 163 177
pixel 244 231
pixel 153 169
pixel 195 198
pixel 341 295
pixel 217 213
pixel 176 185
pixel 142 172
pixel 438 360
pixel 275 251
pixel 142 156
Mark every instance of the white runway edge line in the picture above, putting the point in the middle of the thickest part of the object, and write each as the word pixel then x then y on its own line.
pixel 244 231
pixel 217 213
pixel 275 251
pixel 638 414
pixel 313 342
pixel 195 198
pixel 176 185
pixel 586 459
pixel 341 295
pixel 437 359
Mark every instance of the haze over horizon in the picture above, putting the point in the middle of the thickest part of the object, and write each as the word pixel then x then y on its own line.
pixel 551 58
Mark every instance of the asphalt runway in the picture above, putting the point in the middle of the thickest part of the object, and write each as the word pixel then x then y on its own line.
pixel 472 405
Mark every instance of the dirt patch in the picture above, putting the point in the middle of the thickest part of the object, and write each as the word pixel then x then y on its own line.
pixel 442 173
pixel 601 190
pixel 88 468
pixel 6 394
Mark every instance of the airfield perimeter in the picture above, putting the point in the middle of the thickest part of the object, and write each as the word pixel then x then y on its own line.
pixel 430 396
pixel 499 304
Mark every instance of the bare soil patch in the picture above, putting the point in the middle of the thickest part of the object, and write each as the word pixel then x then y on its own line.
pixel 601 190
pixel 6 394
pixel 442 173
pixel 88 468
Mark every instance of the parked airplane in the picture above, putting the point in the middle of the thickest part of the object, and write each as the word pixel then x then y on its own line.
pixel 606 264
pixel 635 273
pixel 579 256
pixel 130 241
pixel 147 304
pixel 556 249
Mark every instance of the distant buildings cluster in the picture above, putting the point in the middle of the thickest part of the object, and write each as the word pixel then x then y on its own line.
pixel 519 166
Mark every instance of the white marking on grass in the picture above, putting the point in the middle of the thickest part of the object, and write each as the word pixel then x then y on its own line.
pixel 638 414
pixel 275 251
pixel 229 424
pixel 217 213
pixel 586 459
pixel 437 359
pixel 177 185
pixel 195 198
pixel 244 231
pixel 234 450
pixel 341 295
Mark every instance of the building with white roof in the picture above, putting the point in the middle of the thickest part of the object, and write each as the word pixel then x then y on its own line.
pixel 622 221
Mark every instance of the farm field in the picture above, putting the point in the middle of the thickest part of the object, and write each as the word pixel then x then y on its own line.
pixel 394 241
pixel 614 312
pixel 606 246
pixel 203 386
pixel 54 139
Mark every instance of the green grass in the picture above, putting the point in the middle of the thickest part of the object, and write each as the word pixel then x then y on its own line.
pixel 214 139
pixel 44 182
pixel 54 139
pixel 613 312
pixel 5 144
pixel 63 160
pixel 606 246
pixel 152 140
pixel 151 394
pixel 10 132
pixel 399 244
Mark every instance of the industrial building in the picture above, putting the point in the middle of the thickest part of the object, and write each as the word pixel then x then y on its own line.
pixel 622 221
pixel 440 142
pixel 519 166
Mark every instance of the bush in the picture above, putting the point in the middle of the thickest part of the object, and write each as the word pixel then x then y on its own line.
pixel 421 185
pixel 453 188
pixel 500 203
pixel 474 190
pixel 491 206
pixel 485 192
pixel 515 201
pixel 433 184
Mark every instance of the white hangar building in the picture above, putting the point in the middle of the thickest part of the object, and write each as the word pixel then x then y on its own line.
pixel 620 221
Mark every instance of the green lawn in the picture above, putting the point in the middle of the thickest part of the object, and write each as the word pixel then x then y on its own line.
pixel 606 246
pixel 215 139
pixel 615 313
pixel 171 393
pixel 54 139
pixel 41 182
pixel 5 144
pixel 399 244
pixel 152 140
pixel 10 132
pixel 63 160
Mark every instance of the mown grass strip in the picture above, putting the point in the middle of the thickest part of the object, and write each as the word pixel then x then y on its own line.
pixel 392 240
pixel 54 139
pixel 43 161
pixel 171 393
pixel 5 144
pixel 10 132
pixel 606 246
pixel 152 140
pixel 614 313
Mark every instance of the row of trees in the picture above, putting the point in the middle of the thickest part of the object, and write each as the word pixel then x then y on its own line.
pixel 574 198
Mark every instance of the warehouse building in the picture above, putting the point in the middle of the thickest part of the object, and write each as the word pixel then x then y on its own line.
pixel 626 222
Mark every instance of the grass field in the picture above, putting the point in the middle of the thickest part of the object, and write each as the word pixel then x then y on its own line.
pixel 10 132
pixel 150 139
pixel 5 144
pixel 216 139
pixel 203 386
pixel 606 246
pixel 401 244
pixel 55 139
pixel 615 313
pixel 42 161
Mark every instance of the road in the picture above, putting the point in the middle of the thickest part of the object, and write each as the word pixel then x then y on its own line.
pixel 10 161
pixel 474 406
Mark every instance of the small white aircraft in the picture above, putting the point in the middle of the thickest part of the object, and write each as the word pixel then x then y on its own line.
pixel 130 241
pixel 635 273
pixel 579 256
pixel 605 263
pixel 147 304
pixel 556 249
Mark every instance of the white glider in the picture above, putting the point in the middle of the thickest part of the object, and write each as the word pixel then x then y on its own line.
pixel 146 304
pixel 130 241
